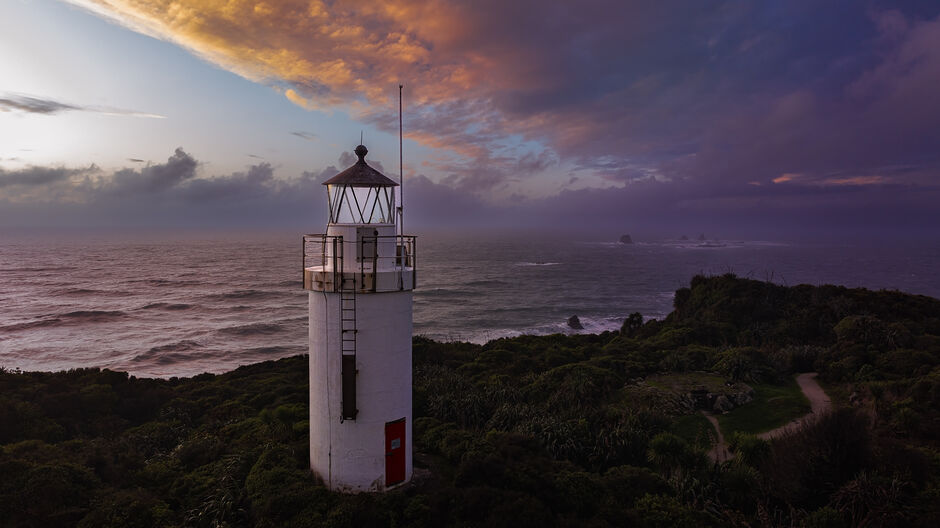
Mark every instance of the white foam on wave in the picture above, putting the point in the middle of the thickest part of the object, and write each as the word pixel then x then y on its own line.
pixel 592 325
pixel 537 263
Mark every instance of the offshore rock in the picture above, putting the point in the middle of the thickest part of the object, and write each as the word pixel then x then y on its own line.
pixel 574 322
pixel 625 239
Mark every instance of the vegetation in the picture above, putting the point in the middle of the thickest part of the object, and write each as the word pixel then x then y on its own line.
pixel 773 406
pixel 580 430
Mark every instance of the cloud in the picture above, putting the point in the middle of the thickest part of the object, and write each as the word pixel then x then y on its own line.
pixel 309 136
pixel 684 111
pixel 673 89
pixel 39 176
pixel 173 193
pixel 180 193
pixel 33 105
pixel 154 178
pixel 44 106
pixel 347 159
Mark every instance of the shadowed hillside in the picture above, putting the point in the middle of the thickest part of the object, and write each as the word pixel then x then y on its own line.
pixel 579 430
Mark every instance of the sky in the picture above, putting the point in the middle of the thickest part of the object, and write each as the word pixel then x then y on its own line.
pixel 758 119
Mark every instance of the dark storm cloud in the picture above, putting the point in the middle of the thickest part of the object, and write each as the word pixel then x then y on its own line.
pixel 155 178
pixel 709 91
pixel 39 176
pixel 239 186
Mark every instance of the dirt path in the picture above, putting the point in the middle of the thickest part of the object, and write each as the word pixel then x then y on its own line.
pixel 818 404
pixel 818 401
pixel 720 452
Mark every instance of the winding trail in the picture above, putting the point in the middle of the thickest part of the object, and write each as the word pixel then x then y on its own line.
pixel 819 404
pixel 720 452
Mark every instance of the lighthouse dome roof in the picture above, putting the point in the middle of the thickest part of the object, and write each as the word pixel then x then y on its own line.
pixel 361 174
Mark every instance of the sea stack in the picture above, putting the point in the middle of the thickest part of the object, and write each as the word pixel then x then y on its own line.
pixel 625 239
pixel 360 275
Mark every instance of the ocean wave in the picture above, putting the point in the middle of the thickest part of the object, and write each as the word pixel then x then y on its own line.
pixel 93 316
pixel 267 352
pixel 528 264
pixel 179 346
pixel 179 352
pixel 446 292
pixel 253 329
pixel 166 282
pixel 489 282
pixel 166 306
pixel 87 292
pixel 242 295
pixel 710 245
pixel 174 353
pixel 29 325
pixel 592 325
pixel 64 319
pixel 33 269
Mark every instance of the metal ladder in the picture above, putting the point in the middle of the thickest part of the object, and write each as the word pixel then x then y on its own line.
pixel 347 305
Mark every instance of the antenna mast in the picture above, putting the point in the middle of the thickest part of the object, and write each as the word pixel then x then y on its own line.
pixel 401 169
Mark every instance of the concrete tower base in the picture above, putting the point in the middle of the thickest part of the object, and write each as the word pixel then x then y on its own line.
pixel 362 454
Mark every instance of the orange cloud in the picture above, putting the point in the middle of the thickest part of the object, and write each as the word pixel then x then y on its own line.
pixel 336 52
pixel 352 54
pixel 786 177
pixel 857 180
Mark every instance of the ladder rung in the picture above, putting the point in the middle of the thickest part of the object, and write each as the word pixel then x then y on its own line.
pixel 347 307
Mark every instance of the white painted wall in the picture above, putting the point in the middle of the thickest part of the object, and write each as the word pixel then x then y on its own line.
pixel 350 455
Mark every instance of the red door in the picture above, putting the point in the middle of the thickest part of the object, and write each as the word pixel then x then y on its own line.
pixel 394 452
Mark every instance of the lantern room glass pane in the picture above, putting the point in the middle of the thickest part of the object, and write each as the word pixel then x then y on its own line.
pixel 361 205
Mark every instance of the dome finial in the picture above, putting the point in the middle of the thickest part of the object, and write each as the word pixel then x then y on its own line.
pixel 361 151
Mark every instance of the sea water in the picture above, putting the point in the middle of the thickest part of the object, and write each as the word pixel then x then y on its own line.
pixel 174 305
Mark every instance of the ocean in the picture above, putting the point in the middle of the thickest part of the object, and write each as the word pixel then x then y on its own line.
pixel 173 305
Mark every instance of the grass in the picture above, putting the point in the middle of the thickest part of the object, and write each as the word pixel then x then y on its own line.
pixel 685 381
pixel 694 429
pixel 773 406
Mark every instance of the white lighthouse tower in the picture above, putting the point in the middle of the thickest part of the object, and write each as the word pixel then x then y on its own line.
pixel 360 275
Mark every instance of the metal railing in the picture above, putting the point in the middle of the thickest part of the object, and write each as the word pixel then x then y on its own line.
pixel 373 255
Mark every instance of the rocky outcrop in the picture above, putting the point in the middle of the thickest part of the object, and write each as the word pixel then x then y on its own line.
pixel 722 404
pixel 575 323
pixel 625 239
pixel 732 395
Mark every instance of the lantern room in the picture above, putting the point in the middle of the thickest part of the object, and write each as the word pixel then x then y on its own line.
pixel 361 194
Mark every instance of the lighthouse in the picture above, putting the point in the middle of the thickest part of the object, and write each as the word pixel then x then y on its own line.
pixel 360 275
